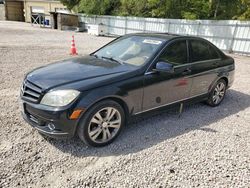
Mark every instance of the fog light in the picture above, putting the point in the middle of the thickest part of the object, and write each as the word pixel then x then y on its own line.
pixel 51 126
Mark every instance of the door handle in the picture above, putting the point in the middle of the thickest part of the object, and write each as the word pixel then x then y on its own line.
pixel 186 71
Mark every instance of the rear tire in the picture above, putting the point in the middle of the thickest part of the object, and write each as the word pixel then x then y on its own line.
pixel 101 124
pixel 217 93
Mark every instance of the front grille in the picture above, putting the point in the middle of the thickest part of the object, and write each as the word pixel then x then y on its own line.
pixel 31 92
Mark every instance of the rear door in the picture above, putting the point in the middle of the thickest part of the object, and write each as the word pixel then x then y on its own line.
pixel 205 60
pixel 161 88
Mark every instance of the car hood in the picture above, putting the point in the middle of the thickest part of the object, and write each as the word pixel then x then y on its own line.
pixel 75 70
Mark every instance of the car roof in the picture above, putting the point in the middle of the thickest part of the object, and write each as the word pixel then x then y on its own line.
pixel 166 36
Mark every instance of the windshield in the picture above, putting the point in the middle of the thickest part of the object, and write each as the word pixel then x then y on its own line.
pixel 134 50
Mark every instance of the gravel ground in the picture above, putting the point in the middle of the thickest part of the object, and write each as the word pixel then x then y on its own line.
pixel 206 147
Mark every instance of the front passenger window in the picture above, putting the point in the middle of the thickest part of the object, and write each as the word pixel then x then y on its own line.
pixel 175 53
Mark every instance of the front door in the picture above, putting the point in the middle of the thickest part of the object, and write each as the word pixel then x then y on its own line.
pixel 161 88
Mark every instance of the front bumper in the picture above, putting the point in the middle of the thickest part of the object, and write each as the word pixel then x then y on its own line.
pixel 48 121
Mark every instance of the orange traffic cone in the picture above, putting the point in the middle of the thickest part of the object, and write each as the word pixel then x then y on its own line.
pixel 73 47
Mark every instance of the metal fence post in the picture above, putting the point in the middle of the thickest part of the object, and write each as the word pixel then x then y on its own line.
pixel 95 19
pixel 126 25
pixel 39 16
pixel 198 29
pixel 230 50
pixel 144 24
pixel 169 26
pixel 166 26
pixel 109 25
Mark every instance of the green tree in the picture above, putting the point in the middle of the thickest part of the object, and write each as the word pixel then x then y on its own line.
pixel 70 3
pixel 177 9
pixel 165 8
pixel 245 10
pixel 224 9
pixel 99 7
pixel 196 9
pixel 134 8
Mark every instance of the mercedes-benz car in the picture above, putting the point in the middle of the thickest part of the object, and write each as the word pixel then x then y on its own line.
pixel 93 96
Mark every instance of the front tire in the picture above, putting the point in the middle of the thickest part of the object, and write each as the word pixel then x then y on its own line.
pixel 102 123
pixel 217 94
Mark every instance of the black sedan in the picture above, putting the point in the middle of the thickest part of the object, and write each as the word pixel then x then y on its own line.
pixel 94 95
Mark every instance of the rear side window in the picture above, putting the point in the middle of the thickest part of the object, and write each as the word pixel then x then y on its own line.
pixel 175 53
pixel 202 51
pixel 213 52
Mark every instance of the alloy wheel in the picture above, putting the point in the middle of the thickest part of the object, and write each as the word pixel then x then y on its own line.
pixel 219 92
pixel 104 125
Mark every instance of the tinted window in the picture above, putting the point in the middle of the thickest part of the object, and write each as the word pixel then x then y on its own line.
pixel 202 51
pixel 175 53
pixel 213 52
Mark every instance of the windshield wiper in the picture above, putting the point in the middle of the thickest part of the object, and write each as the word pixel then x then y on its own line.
pixel 112 59
pixel 96 56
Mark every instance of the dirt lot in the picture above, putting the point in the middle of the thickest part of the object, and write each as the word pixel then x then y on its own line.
pixel 206 147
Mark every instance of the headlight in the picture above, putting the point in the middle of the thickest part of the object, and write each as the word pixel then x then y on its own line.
pixel 59 98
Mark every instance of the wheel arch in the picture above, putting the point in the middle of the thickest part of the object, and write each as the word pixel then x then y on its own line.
pixel 216 80
pixel 224 78
pixel 114 98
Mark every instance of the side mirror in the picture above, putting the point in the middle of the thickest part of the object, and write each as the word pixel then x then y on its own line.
pixel 162 66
